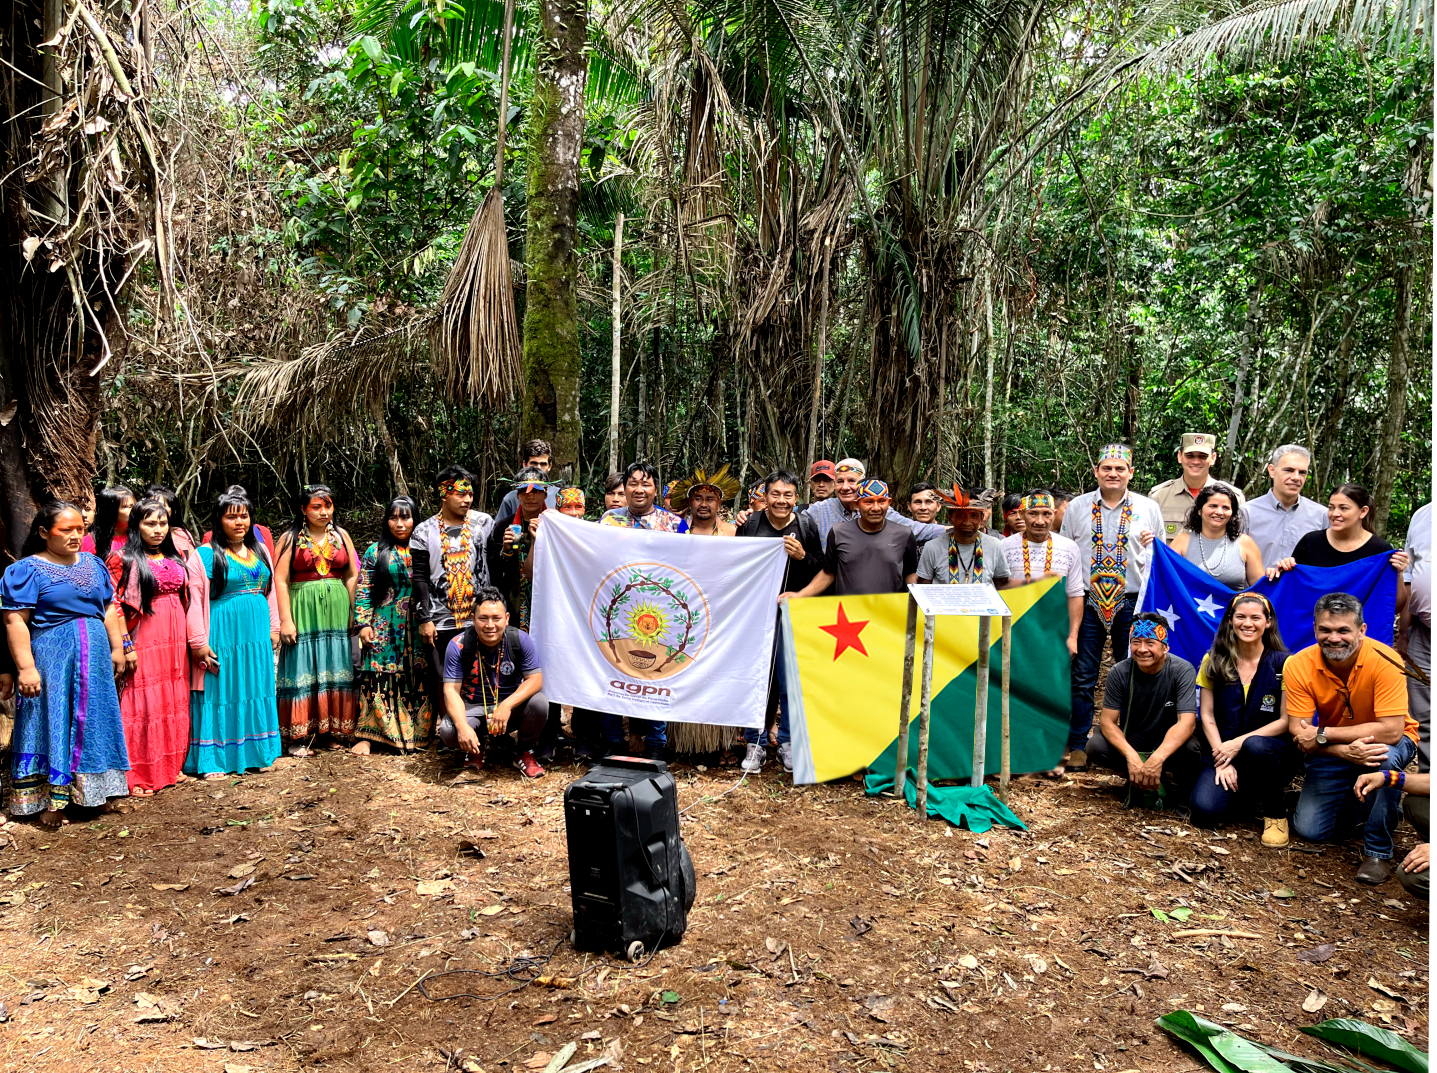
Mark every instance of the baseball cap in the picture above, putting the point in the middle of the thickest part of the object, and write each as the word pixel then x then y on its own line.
pixel 1199 441
pixel 822 468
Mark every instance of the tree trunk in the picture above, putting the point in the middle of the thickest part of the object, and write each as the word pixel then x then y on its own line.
pixel 1399 374
pixel 616 391
pixel 556 139
pixel 1247 349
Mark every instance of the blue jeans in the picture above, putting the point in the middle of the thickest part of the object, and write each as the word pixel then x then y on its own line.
pixel 777 699
pixel 1328 805
pixel 1091 636
pixel 1264 768
pixel 656 734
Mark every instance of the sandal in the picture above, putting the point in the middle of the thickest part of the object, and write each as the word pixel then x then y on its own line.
pixel 141 791
pixel 214 776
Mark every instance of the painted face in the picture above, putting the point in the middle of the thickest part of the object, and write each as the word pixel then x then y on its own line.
pixel 235 524
pixel 782 498
pixel 319 512
pixel 1015 521
pixel 154 528
pixel 576 510
pixel 639 491
pixel 1216 513
pixel 1148 653
pixel 924 505
pixel 1339 636
pixel 64 537
pixel 1196 466
pixel 822 486
pixel 1289 474
pixel 1249 620
pixel 704 504
pixel 1113 474
pixel 615 499
pixel 400 526
pixel 532 504
pixel 1343 514
pixel 873 511
pixel 457 503
pixel 122 519
pixel 1038 523
pixel 846 488
pixel 965 522
pixel 490 621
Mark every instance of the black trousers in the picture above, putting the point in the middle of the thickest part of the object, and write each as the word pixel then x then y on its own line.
pixel 1180 771
pixel 434 675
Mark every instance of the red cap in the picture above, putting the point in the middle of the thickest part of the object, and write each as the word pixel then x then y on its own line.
pixel 822 468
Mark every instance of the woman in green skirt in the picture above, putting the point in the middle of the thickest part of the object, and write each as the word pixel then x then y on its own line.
pixel 315 574
pixel 393 703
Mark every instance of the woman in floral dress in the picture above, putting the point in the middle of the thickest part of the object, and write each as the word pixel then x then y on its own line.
pixel 393 703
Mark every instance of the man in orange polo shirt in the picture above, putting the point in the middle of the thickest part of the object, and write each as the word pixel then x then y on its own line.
pixel 1347 712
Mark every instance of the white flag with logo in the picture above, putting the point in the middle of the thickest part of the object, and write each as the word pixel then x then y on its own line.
pixel 661 626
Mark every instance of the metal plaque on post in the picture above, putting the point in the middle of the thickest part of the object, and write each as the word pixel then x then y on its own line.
pixel 935 601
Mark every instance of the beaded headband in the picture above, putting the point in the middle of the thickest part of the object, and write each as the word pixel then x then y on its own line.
pixel 873 489
pixel 458 486
pixel 850 465
pixel 1121 452
pixel 1154 631
pixel 569 497
pixel 1038 501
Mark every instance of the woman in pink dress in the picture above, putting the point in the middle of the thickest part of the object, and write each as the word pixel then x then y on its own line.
pixel 112 518
pixel 158 590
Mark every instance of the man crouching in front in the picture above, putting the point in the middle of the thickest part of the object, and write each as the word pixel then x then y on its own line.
pixel 493 684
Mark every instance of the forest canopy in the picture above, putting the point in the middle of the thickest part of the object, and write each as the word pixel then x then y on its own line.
pixel 964 241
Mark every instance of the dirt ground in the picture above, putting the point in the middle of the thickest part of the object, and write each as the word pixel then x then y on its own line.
pixel 280 921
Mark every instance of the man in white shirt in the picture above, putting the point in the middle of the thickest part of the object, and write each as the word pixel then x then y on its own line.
pixel 1278 520
pixel 1414 629
pixel 1038 552
pixel 1114 529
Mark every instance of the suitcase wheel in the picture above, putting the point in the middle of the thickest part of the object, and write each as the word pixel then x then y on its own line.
pixel 635 950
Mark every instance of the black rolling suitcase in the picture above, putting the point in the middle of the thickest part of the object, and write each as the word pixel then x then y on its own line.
pixel 630 874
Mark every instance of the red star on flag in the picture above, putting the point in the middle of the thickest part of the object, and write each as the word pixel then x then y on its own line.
pixel 846 633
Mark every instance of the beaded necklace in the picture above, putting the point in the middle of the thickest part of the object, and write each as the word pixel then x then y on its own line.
pixel 1047 561
pixel 961 573
pixel 1109 576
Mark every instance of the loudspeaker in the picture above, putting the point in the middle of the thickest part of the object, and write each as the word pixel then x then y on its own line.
pixel 630 874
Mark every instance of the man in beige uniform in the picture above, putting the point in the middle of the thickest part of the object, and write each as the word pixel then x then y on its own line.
pixel 1175 497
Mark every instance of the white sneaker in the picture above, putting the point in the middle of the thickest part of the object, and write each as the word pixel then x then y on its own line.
pixel 753 759
pixel 785 756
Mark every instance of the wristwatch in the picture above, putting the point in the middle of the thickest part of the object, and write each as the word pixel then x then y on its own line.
pixel 1321 735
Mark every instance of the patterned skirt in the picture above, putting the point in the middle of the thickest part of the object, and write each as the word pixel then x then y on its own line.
pixel 394 709
pixel 69 742
pixel 232 720
pixel 316 674
pixel 155 704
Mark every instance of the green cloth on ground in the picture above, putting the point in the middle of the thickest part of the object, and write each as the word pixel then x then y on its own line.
pixel 977 807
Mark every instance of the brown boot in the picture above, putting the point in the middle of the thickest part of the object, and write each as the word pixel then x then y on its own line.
pixel 1374 871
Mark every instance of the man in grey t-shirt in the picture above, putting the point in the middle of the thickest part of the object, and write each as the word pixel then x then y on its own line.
pixel 968 556
pixel 867 555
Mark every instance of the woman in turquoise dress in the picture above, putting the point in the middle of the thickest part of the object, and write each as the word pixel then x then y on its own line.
pixel 68 645
pixel 393 703
pixel 234 725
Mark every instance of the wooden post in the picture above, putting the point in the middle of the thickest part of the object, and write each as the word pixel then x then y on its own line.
pixel 616 395
pixel 901 776
pixel 980 707
pixel 925 700
pixel 1007 769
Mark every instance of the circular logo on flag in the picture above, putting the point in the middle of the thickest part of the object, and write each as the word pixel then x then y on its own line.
pixel 650 620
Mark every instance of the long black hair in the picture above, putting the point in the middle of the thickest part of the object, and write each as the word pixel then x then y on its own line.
pixel 134 556
pixel 166 495
pixel 399 507
pixel 234 496
pixel 45 518
pixel 107 514
pixel 1359 495
pixel 306 495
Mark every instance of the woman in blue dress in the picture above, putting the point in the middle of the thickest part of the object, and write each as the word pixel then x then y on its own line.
pixel 234 724
pixel 68 645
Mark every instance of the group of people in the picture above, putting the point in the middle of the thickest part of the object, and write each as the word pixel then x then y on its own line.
pixel 231 647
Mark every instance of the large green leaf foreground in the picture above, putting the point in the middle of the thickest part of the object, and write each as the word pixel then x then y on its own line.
pixel 1228 1052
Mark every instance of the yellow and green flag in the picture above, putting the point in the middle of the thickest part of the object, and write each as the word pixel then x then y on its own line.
pixel 844 669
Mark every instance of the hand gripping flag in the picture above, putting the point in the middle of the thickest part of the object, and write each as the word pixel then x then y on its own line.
pixel 655 625
pixel 845 684
pixel 1193 601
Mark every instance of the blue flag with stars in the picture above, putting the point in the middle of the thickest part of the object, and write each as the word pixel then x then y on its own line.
pixel 1193 601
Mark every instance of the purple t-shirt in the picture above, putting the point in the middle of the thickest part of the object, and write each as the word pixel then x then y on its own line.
pixel 491 677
